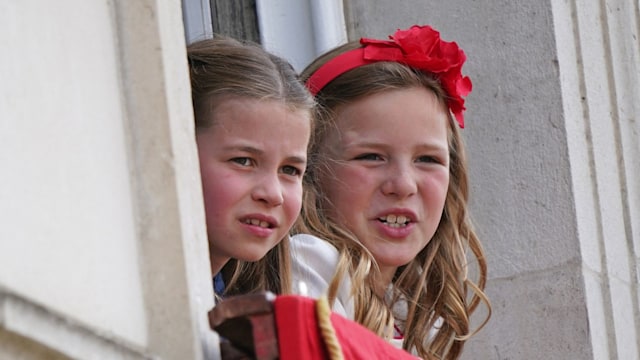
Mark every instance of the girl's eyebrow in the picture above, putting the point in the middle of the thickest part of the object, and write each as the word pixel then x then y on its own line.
pixel 244 148
pixel 296 159
pixel 381 145
pixel 255 151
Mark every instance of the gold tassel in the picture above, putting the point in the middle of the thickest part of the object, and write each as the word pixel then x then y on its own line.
pixel 323 312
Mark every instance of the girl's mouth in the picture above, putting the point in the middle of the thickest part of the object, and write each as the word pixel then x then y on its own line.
pixel 395 220
pixel 256 222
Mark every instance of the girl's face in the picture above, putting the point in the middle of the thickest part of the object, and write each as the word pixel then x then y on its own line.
pixel 251 161
pixel 388 160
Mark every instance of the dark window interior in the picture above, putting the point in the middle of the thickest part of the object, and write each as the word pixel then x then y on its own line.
pixel 235 18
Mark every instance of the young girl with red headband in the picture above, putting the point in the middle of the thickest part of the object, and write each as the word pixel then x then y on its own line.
pixel 385 229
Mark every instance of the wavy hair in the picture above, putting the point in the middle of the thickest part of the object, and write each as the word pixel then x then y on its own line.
pixel 435 285
pixel 223 67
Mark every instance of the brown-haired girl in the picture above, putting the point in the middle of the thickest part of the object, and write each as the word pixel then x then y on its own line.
pixel 253 122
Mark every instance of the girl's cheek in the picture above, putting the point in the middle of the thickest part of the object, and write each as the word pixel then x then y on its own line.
pixel 293 193
pixel 351 178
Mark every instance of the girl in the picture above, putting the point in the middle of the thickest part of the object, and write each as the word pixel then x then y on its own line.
pixel 390 195
pixel 253 122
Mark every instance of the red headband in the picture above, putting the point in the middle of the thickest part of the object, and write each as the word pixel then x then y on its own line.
pixel 421 48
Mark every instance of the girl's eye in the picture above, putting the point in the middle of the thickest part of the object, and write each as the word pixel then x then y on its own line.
pixel 291 170
pixel 429 159
pixel 369 157
pixel 244 161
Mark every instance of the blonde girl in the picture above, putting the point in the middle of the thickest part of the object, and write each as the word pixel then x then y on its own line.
pixel 385 230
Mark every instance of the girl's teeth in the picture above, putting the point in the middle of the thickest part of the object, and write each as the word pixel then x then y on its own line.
pixel 257 222
pixel 395 220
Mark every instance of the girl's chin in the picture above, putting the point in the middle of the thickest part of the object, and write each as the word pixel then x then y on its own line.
pixel 393 262
pixel 252 258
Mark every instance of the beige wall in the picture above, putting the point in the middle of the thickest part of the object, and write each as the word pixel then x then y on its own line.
pixel 66 184
pixel 102 250
pixel 599 55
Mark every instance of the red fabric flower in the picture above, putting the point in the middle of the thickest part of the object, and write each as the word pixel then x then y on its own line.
pixel 421 47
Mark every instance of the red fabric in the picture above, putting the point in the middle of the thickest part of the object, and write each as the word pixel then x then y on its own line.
pixel 300 339
pixel 297 327
pixel 336 67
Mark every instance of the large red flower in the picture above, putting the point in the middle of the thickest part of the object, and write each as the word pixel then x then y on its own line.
pixel 422 48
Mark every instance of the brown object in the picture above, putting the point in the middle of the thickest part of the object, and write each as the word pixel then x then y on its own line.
pixel 247 327
pixel 237 19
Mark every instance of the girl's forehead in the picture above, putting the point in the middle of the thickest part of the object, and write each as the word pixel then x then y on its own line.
pixel 407 115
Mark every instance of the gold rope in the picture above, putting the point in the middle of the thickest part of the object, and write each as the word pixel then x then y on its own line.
pixel 323 311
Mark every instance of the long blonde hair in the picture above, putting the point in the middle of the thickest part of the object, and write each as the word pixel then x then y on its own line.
pixel 222 67
pixel 435 283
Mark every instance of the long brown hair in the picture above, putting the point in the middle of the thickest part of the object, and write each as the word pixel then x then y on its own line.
pixel 223 67
pixel 435 283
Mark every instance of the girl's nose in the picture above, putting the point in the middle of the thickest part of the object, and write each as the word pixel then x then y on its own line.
pixel 269 190
pixel 400 182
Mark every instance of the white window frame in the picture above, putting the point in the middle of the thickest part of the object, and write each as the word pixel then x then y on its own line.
pixel 296 30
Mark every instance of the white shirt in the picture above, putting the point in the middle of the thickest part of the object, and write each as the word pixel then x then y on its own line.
pixel 313 264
